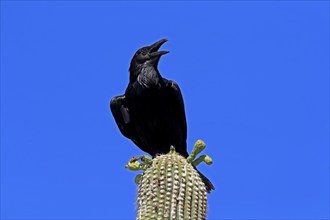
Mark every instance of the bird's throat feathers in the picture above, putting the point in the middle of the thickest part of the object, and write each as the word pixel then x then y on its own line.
pixel 147 76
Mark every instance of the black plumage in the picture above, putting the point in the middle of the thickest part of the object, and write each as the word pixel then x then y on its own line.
pixel 151 112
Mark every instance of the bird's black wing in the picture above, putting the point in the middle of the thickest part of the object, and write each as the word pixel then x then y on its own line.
pixel 121 114
pixel 124 121
pixel 178 117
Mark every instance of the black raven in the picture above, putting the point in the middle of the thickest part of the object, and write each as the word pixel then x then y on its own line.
pixel 151 112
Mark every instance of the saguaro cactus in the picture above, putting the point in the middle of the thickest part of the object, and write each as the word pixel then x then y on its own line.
pixel 170 187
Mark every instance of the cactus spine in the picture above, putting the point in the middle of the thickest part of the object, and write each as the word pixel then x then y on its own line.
pixel 170 187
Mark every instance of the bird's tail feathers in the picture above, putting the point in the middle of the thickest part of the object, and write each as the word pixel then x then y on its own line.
pixel 209 186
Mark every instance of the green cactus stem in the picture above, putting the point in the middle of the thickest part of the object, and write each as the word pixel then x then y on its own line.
pixel 170 187
pixel 204 158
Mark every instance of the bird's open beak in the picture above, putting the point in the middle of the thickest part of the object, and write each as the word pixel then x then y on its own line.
pixel 154 49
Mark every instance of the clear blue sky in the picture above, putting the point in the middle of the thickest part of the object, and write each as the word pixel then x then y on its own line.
pixel 255 80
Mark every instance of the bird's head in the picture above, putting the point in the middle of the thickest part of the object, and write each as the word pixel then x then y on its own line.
pixel 148 55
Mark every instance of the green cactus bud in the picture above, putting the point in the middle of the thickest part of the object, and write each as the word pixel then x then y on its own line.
pixel 198 147
pixel 135 165
pixel 171 188
pixel 138 178
pixel 208 160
